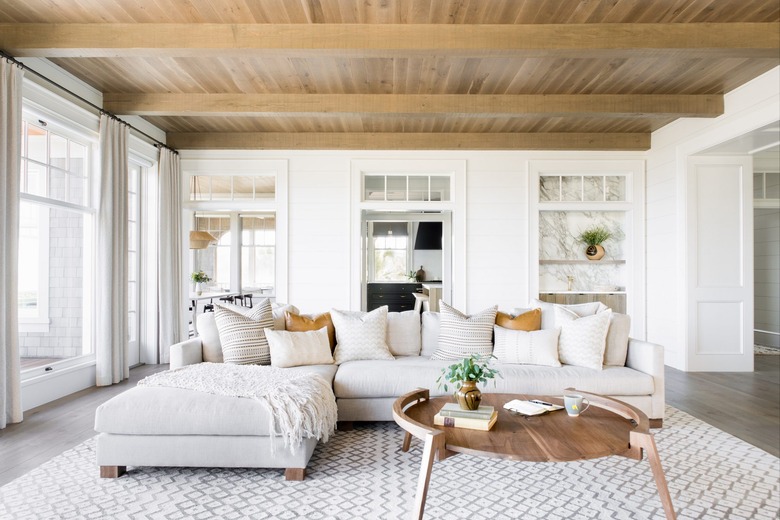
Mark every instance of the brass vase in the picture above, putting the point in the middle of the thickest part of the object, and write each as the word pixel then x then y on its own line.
pixel 469 395
pixel 594 252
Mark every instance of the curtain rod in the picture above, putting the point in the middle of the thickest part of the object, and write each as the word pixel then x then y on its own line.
pixel 157 144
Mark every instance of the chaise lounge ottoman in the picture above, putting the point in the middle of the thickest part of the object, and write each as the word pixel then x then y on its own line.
pixel 157 426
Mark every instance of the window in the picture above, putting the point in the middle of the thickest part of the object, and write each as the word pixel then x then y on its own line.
pixel 55 242
pixel 390 245
pixel 232 187
pixel 406 188
pixel 246 265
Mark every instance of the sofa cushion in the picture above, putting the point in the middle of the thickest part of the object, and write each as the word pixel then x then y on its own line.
pixel 529 320
pixel 536 347
pixel 461 335
pixel 403 333
pixel 295 349
pixel 243 336
pixel 617 340
pixel 582 340
pixel 548 310
pixel 174 411
pixel 360 335
pixel 376 379
pixel 429 334
pixel 303 322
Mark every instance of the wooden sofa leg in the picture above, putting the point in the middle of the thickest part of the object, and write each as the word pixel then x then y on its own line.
pixel 345 426
pixel 294 473
pixel 656 423
pixel 112 471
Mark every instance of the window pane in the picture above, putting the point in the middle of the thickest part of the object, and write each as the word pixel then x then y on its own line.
pixel 265 186
pixel 58 151
pixel 30 277
pixel 772 185
pixel 243 188
pixel 616 188
pixel 58 184
pixel 221 188
pixel 200 187
pixel 132 326
pixel 549 188
pixel 36 179
pixel 594 188
pixel 418 188
pixel 572 188
pixel 60 271
pixel 389 265
pixel 78 159
pixel 78 189
pixel 440 188
pixel 396 187
pixel 375 187
pixel 132 206
pixel 36 143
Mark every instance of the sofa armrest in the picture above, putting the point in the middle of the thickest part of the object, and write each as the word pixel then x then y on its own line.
pixel 649 358
pixel 187 352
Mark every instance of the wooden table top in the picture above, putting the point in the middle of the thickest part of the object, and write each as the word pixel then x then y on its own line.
pixel 553 437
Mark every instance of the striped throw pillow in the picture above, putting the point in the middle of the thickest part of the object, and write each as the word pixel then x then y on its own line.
pixel 461 335
pixel 242 337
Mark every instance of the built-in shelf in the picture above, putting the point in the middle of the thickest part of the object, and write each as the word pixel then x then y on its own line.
pixel 575 262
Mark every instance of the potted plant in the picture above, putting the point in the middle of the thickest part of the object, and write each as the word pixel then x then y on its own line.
pixel 594 236
pixel 465 375
pixel 199 277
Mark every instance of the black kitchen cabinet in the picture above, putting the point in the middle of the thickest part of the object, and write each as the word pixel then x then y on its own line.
pixel 397 296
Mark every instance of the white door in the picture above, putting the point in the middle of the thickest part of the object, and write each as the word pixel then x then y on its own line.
pixel 720 264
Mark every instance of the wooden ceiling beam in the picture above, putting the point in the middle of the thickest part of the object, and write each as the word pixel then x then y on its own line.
pixel 199 39
pixel 553 105
pixel 408 141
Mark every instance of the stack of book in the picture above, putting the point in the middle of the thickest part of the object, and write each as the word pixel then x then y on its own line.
pixel 451 414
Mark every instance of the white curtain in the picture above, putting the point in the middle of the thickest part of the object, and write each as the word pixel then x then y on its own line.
pixel 171 305
pixel 111 314
pixel 10 148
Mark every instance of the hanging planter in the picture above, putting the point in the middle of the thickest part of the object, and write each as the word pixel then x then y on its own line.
pixel 593 237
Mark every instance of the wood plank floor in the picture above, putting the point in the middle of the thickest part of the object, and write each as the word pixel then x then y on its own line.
pixel 747 405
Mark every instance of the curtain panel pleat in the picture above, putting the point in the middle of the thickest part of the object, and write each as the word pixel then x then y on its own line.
pixel 10 147
pixel 170 300
pixel 111 280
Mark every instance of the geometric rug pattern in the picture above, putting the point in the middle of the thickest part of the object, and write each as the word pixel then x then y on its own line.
pixel 363 474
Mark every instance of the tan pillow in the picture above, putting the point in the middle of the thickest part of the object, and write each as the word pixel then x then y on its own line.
pixel 528 321
pixel 302 323
pixel 617 340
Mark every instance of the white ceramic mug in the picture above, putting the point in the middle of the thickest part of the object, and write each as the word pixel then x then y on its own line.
pixel 573 404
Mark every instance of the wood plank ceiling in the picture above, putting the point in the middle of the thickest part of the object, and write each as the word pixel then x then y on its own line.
pixel 404 74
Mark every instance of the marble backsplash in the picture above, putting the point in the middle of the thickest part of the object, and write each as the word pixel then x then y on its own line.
pixel 557 241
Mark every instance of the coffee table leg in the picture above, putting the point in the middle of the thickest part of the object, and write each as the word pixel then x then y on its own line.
pixel 646 441
pixel 433 443
pixel 407 442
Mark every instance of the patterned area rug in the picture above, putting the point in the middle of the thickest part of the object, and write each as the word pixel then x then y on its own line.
pixel 362 474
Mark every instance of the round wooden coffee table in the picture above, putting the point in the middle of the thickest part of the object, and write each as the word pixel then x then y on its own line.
pixel 609 427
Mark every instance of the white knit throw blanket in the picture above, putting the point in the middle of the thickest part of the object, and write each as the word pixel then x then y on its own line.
pixel 300 405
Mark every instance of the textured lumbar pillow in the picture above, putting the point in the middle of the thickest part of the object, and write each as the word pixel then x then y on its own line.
pixel 582 340
pixel 243 337
pixel 295 349
pixel 529 320
pixel 461 335
pixel 303 322
pixel 520 347
pixel 360 335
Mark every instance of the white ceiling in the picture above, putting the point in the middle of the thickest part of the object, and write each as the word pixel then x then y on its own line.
pixel 764 141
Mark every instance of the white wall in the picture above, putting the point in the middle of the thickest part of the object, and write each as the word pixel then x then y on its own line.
pixel 751 106
pixel 321 242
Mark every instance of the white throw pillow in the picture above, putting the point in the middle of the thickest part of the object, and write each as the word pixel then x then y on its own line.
pixel 461 335
pixel 582 340
pixel 403 333
pixel 360 335
pixel 548 311
pixel 295 349
pixel 243 337
pixel 617 340
pixel 431 323
pixel 278 310
pixel 519 347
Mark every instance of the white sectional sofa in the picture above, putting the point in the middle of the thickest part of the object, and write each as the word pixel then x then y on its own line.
pixel 366 389
pixel 174 427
